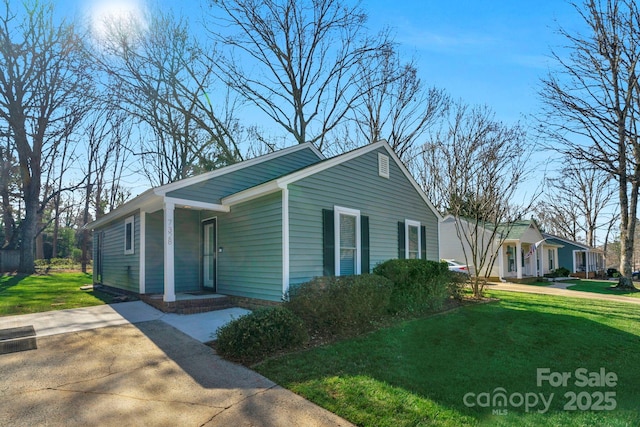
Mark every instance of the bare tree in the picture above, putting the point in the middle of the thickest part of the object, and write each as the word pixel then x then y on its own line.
pixel 41 75
pixel 106 132
pixel 576 201
pixel 396 106
pixel 296 61
pixel 161 75
pixel 473 168
pixel 592 105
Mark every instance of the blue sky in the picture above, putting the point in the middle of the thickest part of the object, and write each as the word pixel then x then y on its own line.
pixel 490 52
pixel 485 52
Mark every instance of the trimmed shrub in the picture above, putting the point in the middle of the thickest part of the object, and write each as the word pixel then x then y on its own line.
pixel 419 286
pixel 455 287
pixel 561 272
pixel 341 306
pixel 260 334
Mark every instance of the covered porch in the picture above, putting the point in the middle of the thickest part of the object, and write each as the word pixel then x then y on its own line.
pixel 521 260
pixel 588 263
pixel 178 254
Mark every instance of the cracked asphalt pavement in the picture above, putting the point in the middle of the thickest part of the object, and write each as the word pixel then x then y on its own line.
pixel 144 374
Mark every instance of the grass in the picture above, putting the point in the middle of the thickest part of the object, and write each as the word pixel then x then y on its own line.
pixel 418 372
pixel 600 287
pixel 45 292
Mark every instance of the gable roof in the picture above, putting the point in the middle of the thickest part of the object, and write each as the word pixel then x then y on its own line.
pixel 281 182
pixel 164 189
pixel 152 199
pixel 571 242
pixel 517 229
pixel 514 230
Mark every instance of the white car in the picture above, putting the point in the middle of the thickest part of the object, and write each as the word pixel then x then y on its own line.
pixel 456 266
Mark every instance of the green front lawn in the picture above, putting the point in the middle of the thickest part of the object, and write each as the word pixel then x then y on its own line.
pixel 45 292
pixel 600 287
pixel 419 372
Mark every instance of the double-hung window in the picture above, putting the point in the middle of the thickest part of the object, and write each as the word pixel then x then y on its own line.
pixel 347 238
pixel 551 260
pixel 412 243
pixel 129 232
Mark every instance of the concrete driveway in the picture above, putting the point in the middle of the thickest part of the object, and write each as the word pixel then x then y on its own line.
pixel 147 373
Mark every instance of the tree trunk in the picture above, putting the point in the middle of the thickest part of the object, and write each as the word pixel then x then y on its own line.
pixel 627 228
pixel 29 229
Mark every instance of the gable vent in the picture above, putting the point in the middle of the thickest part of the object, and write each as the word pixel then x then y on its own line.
pixel 383 165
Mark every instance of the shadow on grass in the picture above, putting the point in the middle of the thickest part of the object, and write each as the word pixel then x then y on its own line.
pixel 9 281
pixel 607 288
pixel 476 350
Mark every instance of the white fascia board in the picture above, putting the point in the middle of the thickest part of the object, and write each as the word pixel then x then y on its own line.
pixel 570 242
pixel 252 193
pixel 188 204
pixel 319 167
pixel 147 200
pixel 413 182
pixel 288 179
pixel 235 167
pixel 283 182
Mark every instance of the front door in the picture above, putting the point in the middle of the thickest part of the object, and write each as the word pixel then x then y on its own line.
pixel 209 255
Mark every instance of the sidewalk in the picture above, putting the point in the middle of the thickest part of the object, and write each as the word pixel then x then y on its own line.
pixel 200 326
pixel 560 291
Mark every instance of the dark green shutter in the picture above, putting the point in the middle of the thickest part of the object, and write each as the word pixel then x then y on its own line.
pixel 364 244
pixel 401 254
pixel 328 244
pixel 423 241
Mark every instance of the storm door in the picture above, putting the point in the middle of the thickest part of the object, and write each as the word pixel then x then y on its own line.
pixel 209 254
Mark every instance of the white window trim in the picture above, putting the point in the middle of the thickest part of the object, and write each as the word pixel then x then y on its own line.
pixel 337 211
pixel 410 223
pixel 130 220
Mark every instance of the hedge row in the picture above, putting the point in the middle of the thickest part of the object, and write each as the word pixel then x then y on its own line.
pixel 336 307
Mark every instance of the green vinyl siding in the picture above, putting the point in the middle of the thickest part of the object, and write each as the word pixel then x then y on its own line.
pixel 214 189
pixel 120 270
pixel 354 184
pixel 250 264
pixel 187 253
pixel 154 254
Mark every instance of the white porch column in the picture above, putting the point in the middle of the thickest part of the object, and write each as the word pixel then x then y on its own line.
pixel 543 264
pixel 519 260
pixel 587 261
pixel 169 253
pixel 501 262
pixel 534 260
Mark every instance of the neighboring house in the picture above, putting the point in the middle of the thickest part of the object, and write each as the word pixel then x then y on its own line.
pixel 581 260
pixel 523 253
pixel 255 228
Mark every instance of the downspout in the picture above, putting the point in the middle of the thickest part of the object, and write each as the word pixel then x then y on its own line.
pixel 285 242
pixel 501 265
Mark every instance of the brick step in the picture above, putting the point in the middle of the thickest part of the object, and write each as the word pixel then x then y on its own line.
pixel 189 306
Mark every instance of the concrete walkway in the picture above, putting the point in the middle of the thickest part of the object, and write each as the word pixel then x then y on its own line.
pixel 561 290
pixel 200 326
pixel 128 364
